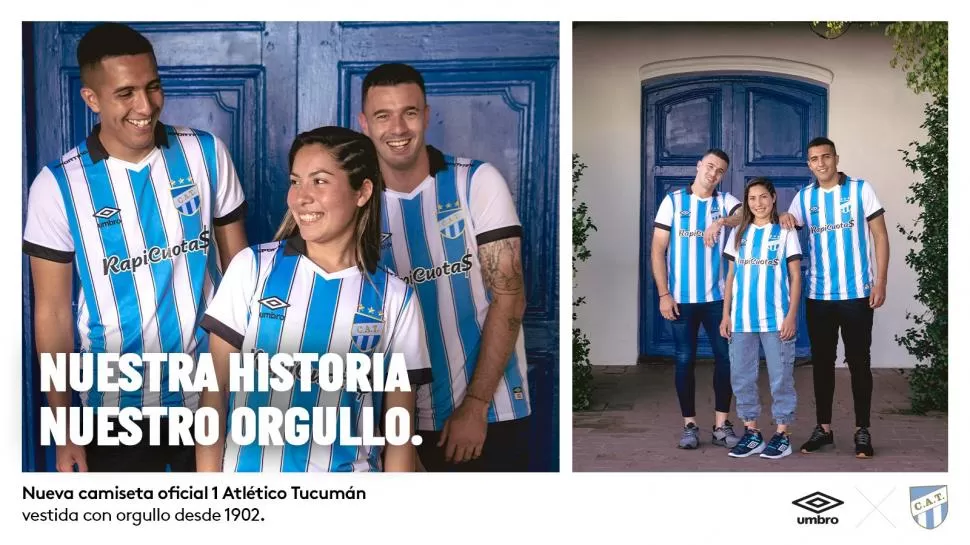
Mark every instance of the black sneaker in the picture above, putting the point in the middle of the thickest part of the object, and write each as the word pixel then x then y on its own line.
pixel 819 439
pixel 863 443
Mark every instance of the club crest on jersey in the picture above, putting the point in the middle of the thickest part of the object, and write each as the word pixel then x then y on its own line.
pixel 385 241
pixel 451 220
pixel 845 205
pixel 367 329
pixel 185 195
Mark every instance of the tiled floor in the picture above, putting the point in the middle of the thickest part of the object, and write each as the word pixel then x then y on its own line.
pixel 634 425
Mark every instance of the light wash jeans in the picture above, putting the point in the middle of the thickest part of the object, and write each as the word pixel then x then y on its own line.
pixel 780 357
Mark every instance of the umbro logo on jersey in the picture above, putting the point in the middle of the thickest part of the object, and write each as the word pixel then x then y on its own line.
pixel 106 212
pixel 273 303
pixel 685 213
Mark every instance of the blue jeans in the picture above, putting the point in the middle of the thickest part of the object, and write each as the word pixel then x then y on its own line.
pixel 685 327
pixel 780 357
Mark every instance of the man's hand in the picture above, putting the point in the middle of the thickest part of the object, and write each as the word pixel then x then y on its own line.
pixel 726 327
pixel 786 220
pixel 712 232
pixel 878 295
pixel 464 433
pixel 668 307
pixel 70 454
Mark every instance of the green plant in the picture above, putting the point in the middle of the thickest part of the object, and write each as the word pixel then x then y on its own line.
pixel 582 368
pixel 927 339
pixel 922 51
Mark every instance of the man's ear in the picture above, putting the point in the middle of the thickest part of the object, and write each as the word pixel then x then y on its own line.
pixel 91 99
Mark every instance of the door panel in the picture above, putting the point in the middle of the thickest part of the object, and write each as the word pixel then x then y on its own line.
pixel 763 123
pixel 256 85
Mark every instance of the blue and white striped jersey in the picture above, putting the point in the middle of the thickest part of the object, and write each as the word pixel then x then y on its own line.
pixel 840 242
pixel 142 242
pixel 760 293
pixel 274 299
pixel 431 238
pixel 694 271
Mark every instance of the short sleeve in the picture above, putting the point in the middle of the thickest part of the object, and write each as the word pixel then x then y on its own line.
pixel 795 209
pixel 793 248
pixel 409 339
pixel 492 206
pixel 230 201
pixel 730 249
pixel 665 214
pixel 47 234
pixel 870 203
pixel 228 313
pixel 731 203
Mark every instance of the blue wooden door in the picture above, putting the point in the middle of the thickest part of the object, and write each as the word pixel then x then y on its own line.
pixel 256 85
pixel 763 123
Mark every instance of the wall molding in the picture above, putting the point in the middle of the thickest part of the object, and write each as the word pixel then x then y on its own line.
pixel 736 63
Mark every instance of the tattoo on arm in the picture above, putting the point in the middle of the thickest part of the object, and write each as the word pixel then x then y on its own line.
pixel 502 266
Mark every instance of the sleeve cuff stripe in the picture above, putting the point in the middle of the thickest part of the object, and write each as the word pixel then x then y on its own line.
pixel 511 231
pixel 421 376
pixel 50 254
pixel 659 225
pixel 796 257
pixel 212 325
pixel 232 217
pixel 876 214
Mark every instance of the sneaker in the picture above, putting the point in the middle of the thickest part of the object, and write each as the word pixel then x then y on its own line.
pixel 750 443
pixel 724 436
pixel 690 437
pixel 819 439
pixel 863 443
pixel 778 447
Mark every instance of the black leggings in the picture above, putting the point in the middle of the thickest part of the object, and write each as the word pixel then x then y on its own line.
pixel 825 319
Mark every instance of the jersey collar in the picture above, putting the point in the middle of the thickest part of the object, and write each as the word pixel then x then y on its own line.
pixel 690 191
pixel 842 179
pixel 97 152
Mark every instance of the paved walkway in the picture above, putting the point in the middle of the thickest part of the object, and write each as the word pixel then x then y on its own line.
pixel 634 425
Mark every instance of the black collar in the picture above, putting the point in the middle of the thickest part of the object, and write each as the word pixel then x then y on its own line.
pixel 842 179
pixel 295 245
pixel 436 160
pixel 97 152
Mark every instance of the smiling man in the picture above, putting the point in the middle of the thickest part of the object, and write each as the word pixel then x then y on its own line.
pixel 690 284
pixel 147 216
pixel 450 229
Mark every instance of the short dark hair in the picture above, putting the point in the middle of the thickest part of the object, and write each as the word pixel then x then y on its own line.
pixel 821 141
pixel 391 74
pixel 110 40
pixel 719 153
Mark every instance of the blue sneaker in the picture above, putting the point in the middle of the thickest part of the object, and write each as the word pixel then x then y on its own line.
pixel 778 447
pixel 750 443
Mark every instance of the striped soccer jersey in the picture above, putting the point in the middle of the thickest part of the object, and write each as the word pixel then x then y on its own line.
pixel 760 295
pixel 274 299
pixel 694 271
pixel 431 238
pixel 840 242
pixel 141 239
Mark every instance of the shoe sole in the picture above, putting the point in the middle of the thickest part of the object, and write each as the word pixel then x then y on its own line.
pixel 687 447
pixel 754 451
pixel 863 456
pixel 819 449
pixel 782 455
pixel 724 444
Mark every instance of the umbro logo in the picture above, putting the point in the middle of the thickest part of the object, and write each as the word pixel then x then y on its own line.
pixel 818 503
pixel 685 212
pixel 273 303
pixel 813 210
pixel 106 212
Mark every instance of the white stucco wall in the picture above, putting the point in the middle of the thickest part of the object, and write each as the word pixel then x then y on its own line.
pixel 872 114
